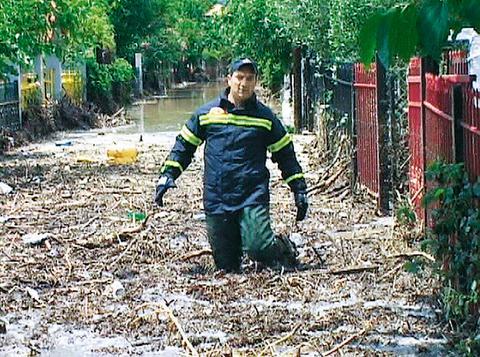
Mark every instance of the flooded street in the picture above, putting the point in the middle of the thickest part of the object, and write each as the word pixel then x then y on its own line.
pixel 171 112
pixel 103 283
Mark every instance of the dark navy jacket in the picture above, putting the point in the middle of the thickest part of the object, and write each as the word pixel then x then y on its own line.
pixel 236 144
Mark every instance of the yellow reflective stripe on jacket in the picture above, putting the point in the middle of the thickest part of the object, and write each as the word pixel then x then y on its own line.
pixel 190 137
pixel 280 144
pixel 240 120
pixel 171 164
pixel 294 177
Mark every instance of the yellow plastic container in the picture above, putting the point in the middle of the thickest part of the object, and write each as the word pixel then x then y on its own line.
pixel 122 155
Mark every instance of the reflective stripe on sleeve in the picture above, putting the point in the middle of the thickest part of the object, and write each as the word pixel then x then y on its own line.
pixel 280 144
pixel 190 137
pixel 170 163
pixel 294 177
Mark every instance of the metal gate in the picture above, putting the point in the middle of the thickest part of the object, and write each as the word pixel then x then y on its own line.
pixel 432 119
pixel 9 106
pixel 367 128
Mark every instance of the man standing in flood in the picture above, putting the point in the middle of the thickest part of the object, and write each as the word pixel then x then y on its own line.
pixel 238 130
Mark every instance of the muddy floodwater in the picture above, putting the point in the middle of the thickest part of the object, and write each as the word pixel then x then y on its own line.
pixel 170 113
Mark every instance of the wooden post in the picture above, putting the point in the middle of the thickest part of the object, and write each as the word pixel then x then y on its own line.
pixel 457 130
pixel 382 155
pixel 297 88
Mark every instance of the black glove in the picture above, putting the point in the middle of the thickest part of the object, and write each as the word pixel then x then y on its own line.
pixel 163 184
pixel 301 201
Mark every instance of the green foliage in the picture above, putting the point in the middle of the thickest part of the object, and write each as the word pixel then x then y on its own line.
pixel 270 30
pixel 99 77
pixel 137 23
pixel 121 70
pixel 416 27
pixel 405 214
pixel 192 27
pixel 109 85
pixel 166 32
pixel 454 238
pixel 347 19
pixel 255 28
pixel 469 347
pixel 66 28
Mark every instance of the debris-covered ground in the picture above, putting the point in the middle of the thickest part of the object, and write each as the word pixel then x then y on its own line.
pixel 83 273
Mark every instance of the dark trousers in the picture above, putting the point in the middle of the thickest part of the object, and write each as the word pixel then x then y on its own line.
pixel 247 231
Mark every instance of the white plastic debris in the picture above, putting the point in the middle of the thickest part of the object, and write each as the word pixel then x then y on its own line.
pixel 199 217
pixel 116 289
pixel 5 189
pixel 35 238
pixel 297 239
pixel 33 294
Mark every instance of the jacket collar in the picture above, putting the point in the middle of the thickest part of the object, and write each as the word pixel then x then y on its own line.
pixel 251 103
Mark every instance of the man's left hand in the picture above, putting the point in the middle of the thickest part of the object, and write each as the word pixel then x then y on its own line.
pixel 301 201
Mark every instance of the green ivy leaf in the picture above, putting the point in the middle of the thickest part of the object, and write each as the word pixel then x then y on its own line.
pixel 470 10
pixel 439 193
pixel 433 26
pixel 386 31
pixel 403 32
pixel 368 39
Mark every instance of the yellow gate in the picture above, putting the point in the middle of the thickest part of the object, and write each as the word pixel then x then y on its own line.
pixel 72 85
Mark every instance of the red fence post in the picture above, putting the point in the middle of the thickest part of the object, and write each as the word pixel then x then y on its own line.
pixel 415 141
pixel 457 129
pixel 427 65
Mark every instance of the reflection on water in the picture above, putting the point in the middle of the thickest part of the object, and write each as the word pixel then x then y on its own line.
pixel 170 113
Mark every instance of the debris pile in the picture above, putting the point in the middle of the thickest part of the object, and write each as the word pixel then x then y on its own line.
pixel 89 264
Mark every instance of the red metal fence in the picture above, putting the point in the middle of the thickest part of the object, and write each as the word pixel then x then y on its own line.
pixel 439 105
pixel 438 119
pixel 471 132
pixel 456 62
pixel 443 119
pixel 367 128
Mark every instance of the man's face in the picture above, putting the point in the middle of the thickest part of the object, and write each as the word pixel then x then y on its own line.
pixel 242 83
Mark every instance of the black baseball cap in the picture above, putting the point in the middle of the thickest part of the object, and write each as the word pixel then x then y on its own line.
pixel 236 64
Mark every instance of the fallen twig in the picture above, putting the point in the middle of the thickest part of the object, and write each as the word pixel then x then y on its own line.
pixel 197 254
pixel 283 339
pixel 347 341
pixel 118 112
pixel 357 269
pixel 123 253
pixel 327 183
pixel 173 318
pixel 413 254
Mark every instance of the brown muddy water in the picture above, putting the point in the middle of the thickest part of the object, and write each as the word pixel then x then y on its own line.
pixel 170 113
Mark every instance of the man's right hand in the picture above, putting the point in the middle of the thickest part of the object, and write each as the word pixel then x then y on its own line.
pixel 163 184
